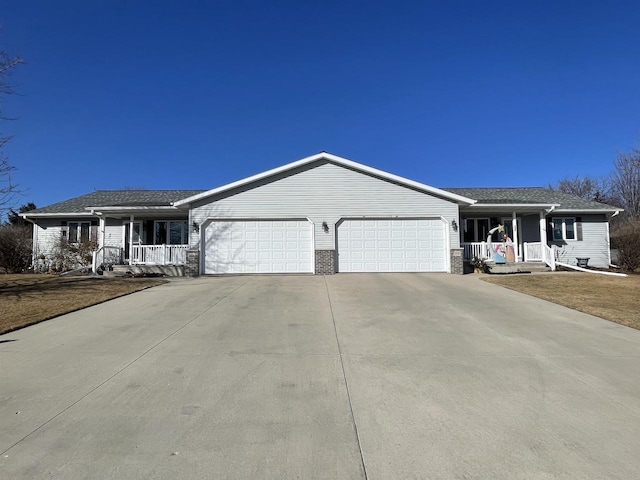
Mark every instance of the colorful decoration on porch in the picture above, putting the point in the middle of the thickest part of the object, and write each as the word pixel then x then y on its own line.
pixel 497 251
pixel 510 253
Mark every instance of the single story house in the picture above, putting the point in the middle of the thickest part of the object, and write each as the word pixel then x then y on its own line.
pixel 323 214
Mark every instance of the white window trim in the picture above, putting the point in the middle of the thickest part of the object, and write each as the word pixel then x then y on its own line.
pixel 185 229
pixel 564 229
pixel 78 232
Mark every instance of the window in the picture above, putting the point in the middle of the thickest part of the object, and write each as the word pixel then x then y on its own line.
pixel 476 229
pixel 171 233
pixel 564 228
pixel 79 232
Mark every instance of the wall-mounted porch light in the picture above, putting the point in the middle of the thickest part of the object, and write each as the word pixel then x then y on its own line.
pixel 454 225
pixel 196 227
pixel 325 227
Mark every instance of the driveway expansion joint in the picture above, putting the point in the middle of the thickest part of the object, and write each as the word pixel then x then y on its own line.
pixel 346 383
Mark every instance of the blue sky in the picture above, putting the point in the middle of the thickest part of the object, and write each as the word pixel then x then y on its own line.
pixel 194 94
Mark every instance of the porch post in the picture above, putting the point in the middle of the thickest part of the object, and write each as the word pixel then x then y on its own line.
pixel 101 235
pixel 131 240
pixel 514 229
pixel 543 228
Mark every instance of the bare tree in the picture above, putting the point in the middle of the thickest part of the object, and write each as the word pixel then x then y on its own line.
pixel 625 183
pixel 7 187
pixel 589 188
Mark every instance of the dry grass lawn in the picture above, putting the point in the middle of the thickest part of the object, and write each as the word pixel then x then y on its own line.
pixel 613 298
pixel 28 299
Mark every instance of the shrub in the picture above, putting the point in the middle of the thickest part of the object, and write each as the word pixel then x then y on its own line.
pixel 626 239
pixel 15 248
pixel 68 256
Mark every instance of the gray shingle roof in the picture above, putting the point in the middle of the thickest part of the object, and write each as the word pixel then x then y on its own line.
pixel 145 198
pixel 526 195
pixel 117 198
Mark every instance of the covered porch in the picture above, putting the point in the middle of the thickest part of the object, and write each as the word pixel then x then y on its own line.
pixel 153 236
pixel 526 226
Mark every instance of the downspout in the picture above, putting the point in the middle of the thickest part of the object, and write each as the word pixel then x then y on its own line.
pixel 94 263
pixel 617 212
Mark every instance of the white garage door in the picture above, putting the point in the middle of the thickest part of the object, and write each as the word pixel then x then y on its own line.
pixel 273 246
pixel 417 245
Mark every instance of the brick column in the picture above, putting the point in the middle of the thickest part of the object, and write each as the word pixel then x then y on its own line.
pixel 457 264
pixel 325 262
pixel 192 268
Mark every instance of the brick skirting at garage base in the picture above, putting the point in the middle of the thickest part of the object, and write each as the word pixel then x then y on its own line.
pixel 457 264
pixel 325 262
pixel 192 268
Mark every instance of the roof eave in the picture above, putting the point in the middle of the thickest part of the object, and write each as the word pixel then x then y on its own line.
pixel 53 215
pixel 515 205
pixel 112 208
pixel 588 210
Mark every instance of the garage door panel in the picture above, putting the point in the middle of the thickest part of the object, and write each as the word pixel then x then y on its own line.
pixel 279 246
pixel 392 245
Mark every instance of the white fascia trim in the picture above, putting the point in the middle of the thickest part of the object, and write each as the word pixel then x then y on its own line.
pixel 128 209
pixel 334 159
pixel 53 215
pixel 586 211
pixel 515 205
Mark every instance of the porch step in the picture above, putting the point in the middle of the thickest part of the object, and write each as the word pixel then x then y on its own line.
pixel 519 267
pixel 113 273
pixel 166 270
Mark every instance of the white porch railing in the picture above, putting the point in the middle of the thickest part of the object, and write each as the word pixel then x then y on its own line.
pixel 549 256
pixel 106 255
pixel 475 249
pixel 159 254
pixel 532 251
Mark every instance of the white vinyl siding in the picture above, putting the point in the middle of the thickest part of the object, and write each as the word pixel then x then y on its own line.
pixel 270 246
pixel 594 244
pixel 392 245
pixel 49 232
pixel 113 232
pixel 324 192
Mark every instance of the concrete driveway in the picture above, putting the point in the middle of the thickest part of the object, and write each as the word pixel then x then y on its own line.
pixel 387 376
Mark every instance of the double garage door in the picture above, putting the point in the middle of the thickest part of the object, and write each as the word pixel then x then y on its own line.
pixel 265 246
pixel 363 245
pixel 400 245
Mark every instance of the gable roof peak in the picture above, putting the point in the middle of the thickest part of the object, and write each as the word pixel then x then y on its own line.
pixel 335 159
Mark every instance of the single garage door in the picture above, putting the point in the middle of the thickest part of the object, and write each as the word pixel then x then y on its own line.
pixel 269 246
pixel 407 245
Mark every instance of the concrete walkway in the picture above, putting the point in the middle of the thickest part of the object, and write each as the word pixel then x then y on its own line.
pixel 388 376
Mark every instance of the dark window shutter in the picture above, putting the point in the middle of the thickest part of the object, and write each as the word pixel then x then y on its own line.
pixel 93 233
pixel 579 229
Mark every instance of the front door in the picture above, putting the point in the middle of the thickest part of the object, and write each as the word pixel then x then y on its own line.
pixel 137 235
